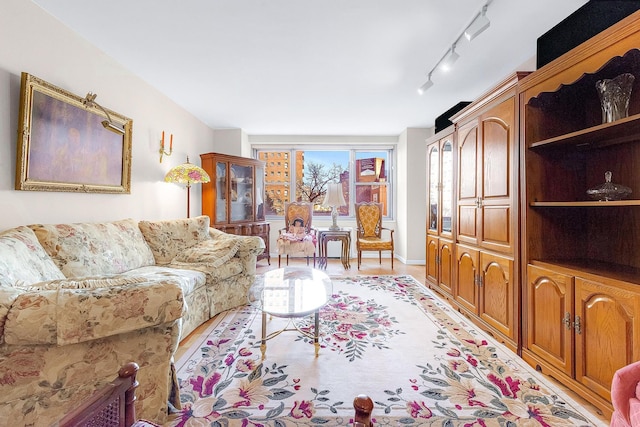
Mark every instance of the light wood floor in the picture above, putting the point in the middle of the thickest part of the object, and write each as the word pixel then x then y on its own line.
pixel 370 266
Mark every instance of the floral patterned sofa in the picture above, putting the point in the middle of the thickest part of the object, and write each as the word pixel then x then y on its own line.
pixel 77 301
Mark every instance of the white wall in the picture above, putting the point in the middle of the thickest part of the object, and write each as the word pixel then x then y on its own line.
pixel 34 42
pixel 410 237
pixel 233 140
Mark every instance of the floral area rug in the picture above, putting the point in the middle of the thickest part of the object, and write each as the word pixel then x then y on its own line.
pixel 385 336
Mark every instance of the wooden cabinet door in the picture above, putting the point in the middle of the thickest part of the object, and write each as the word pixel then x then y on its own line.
pixel 468 197
pixel 497 180
pixel 549 317
pixel 466 289
pixel 432 260
pixel 446 266
pixel 497 293
pixel 607 332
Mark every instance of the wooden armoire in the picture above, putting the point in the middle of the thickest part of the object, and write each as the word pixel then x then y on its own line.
pixel 538 263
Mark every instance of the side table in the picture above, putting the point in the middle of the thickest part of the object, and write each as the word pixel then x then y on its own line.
pixel 325 235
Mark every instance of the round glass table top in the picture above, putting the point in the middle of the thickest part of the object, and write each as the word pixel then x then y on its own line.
pixel 291 291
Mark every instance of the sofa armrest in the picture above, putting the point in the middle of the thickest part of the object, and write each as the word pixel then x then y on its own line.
pixel 67 311
pixel 249 247
pixel 247 244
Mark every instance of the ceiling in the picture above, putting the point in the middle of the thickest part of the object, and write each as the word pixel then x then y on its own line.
pixel 304 67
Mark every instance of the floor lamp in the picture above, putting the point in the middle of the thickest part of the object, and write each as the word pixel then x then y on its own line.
pixel 187 173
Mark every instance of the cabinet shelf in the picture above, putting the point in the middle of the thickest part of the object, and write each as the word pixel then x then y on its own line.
pixel 618 132
pixel 594 203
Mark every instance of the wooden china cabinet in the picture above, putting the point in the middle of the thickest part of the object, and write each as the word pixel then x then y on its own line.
pixel 440 216
pixel 486 251
pixel 234 199
pixel 581 297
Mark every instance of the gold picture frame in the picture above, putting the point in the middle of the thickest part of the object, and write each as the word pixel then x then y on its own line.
pixel 68 144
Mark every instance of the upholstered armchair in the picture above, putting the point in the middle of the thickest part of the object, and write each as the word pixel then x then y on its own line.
pixel 625 396
pixel 369 233
pixel 298 237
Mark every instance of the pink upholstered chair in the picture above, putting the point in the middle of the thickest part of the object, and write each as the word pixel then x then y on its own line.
pixel 625 396
pixel 298 237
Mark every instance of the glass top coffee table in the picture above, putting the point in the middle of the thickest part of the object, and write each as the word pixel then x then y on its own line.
pixel 291 292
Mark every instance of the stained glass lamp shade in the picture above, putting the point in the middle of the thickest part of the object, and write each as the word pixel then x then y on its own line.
pixel 187 173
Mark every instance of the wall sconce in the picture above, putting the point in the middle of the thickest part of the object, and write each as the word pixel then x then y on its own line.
pixel 162 152
pixel 89 101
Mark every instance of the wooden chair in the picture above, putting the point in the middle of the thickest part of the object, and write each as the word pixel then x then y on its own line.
pixel 298 237
pixel 369 231
pixel 110 406
pixel 363 406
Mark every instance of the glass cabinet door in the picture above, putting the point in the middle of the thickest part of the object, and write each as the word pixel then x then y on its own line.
pixel 434 175
pixel 447 186
pixel 221 192
pixel 259 193
pixel 241 191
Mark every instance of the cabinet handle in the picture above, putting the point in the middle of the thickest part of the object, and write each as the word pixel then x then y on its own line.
pixel 567 320
pixel 479 281
pixel 578 326
pixel 437 259
pixel 478 202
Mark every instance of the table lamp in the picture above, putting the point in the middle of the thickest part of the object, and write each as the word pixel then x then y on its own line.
pixel 334 198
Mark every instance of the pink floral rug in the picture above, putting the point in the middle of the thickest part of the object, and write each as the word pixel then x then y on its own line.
pixel 385 336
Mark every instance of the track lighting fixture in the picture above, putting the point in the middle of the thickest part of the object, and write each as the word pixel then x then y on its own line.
pixel 479 23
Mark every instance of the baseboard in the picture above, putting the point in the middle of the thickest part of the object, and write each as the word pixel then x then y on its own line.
pixel 375 255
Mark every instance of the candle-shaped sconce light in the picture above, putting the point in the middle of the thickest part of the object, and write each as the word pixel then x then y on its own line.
pixel 162 152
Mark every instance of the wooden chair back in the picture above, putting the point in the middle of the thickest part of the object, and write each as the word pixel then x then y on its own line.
pixel 298 211
pixel 369 219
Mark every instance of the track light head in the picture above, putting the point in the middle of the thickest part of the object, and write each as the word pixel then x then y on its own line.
pixel 450 59
pixel 422 89
pixel 478 25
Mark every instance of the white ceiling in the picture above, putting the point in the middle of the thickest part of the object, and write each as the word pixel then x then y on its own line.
pixel 313 67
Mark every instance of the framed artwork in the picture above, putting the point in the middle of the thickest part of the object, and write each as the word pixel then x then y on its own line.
pixel 65 144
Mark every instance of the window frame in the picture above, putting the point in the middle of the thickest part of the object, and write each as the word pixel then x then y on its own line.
pixel 353 149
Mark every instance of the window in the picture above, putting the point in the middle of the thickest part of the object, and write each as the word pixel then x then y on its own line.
pixel 364 175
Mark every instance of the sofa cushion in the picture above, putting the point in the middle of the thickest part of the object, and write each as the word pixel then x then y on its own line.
pixel 214 252
pixel 23 260
pixel 188 280
pixel 95 249
pixel 214 272
pixel 170 237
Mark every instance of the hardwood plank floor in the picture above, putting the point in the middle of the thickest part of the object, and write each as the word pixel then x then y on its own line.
pixel 369 266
